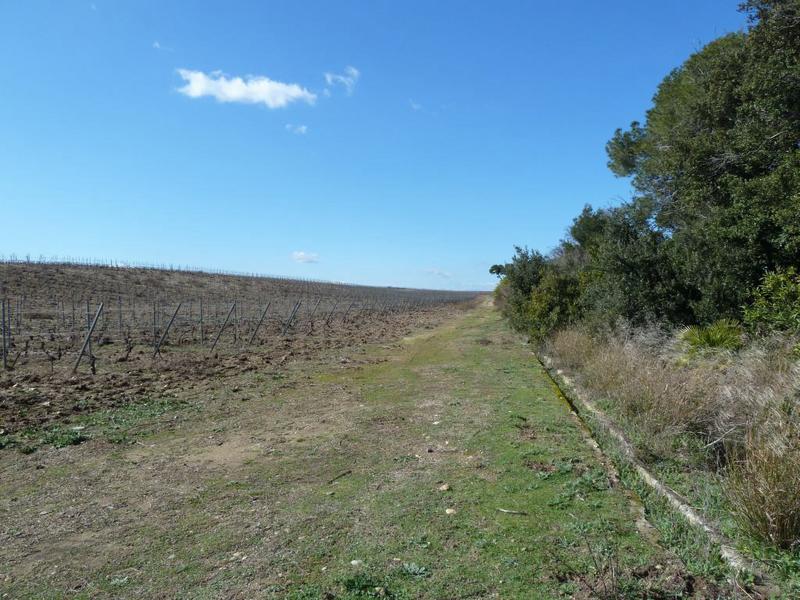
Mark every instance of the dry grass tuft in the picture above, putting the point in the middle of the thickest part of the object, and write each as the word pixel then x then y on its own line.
pixel 764 492
pixel 721 397
pixel 638 371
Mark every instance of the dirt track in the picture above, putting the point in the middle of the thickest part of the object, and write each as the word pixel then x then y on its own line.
pixel 440 465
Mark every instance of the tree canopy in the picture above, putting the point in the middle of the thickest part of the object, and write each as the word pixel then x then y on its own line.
pixel 715 168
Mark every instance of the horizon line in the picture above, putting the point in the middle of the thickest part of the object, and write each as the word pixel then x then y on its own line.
pixel 122 264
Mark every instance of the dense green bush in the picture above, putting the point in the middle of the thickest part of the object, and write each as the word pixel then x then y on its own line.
pixel 520 277
pixel 776 303
pixel 553 303
pixel 630 273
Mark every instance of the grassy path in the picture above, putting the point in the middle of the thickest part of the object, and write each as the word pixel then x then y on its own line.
pixel 346 480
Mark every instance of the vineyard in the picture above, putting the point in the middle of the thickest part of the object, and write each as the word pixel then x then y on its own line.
pixel 62 322
pixel 49 309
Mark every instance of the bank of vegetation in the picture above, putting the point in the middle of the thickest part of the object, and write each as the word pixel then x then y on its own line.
pixel 679 310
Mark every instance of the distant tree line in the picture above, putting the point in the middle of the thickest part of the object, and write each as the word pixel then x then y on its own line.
pixel 713 228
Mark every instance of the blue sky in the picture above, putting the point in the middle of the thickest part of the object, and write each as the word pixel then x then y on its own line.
pixel 208 134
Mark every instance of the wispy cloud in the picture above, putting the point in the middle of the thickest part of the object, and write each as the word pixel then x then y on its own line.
pixel 439 273
pixel 414 105
pixel 252 89
pixel 301 256
pixel 297 129
pixel 348 79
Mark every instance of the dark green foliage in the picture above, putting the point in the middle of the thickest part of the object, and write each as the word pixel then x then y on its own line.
pixel 776 304
pixel 716 170
pixel 630 273
pixel 625 150
pixel 498 270
pixel 718 160
pixel 363 585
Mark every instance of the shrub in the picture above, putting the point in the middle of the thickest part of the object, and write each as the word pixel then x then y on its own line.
pixel 776 302
pixel 554 303
pixel 520 277
pixel 724 334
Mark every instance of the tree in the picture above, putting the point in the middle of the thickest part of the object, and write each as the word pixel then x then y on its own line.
pixel 499 270
pixel 716 171
pixel 718 161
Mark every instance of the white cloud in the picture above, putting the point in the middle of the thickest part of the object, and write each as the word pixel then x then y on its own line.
pixel 297 129
pixel 156 45
pixel 348 79
pixel 250 90
pixel 305 257
pixel 414 105
pixel 439 273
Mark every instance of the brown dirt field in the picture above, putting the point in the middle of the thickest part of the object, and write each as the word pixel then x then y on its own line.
pixel 33 396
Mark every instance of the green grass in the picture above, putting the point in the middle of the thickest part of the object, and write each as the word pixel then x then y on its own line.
pixel 478 550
